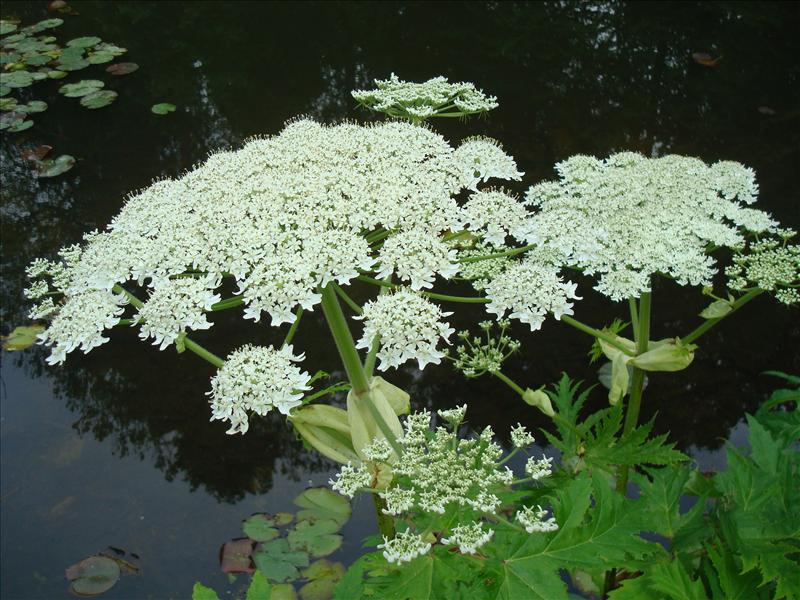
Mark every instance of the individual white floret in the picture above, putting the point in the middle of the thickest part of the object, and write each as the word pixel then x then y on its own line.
pixel 469 538
pixel 410 327
pixel 256 379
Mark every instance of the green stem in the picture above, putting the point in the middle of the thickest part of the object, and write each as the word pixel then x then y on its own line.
pixel 293 329
pixel 347 299
pixel 709 323
pixel 637 383
pixel 434 295
pixel 231 302
pixel 135 302
pixel 511 252
pixel 351 361
pixel 203 353
pixel 606 337
pixel 634 318
pixel 508 381
pixel 508 457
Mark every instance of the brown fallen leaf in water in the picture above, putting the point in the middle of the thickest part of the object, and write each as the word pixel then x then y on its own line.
pixel 705 59
pixel 36 154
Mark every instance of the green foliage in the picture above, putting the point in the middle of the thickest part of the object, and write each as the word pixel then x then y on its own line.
pixel 22 337
pixel 617 326
pixel 596 442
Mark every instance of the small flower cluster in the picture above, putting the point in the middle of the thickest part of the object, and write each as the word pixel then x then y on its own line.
pixel 409 327
pixel 481 272
pixel 494 214
pixel 770 264
pixel 436 471
pixel 420 101
pixel 479 355
pixel 532 518
pixel 628 217
pixel 257 379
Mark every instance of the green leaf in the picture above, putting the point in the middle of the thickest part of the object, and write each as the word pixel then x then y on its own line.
pixel 283 591
pixel 72 65
pixel 55 74
pixel 20 126
pixel 84 42
pixel 98 99
pixel 259 588
pixel 733 584
pixel 122 68
pixel 259 527
pixel 46 24
pixel 55 167
pixel 8 103
pixel 318 538
pixel 277 562
pixel 34 106
pixel 320 503
pixel 7 27
pixel 201 592
pixel 323 576
pixel 717 309
pixel 661 494
pixel 98 58
pixel 352 584
pixel 81 88
pixel 93 576
pixel 16 79
pixel 162 108
pixel 22 337
pixel 664 580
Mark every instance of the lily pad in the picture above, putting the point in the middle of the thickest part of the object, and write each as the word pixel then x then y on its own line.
pixel 283 518
pixel 7 27
pixel 37 60
pixel 318 538
pixel 55 74
pixel 93 576
pixel 8 103
pixel 22 337
pixel 98 99
pixel 34 106
pixel 323 575
pixel 321 503
pixel 98 58
pixel 56 166
pixel 72 65
pixel 38 76
pixel 16 79
pixel 20 126
pixel 283 591
pixel 4 90
pixel 162 108
pixel 46 24
pixel 236 556
pixel 81 88
pixel 84 42
pixel 259 527
pixel 278 562
pixel 122 68
pixel 110 48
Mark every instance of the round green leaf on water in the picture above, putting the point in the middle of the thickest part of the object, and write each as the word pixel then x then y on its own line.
pixel 98 99
pixel 37 60
pixel 163 108
pixel 38 76
pixel 72 65
pixel 16 79
pixel 42 25
pixel 20 126
pixel 122 68
pixel 275 560
pixel 13 39
pixel 259 527
pixel 323 575
pixel 8 103
pixel 7 27
pixel 93 575
pixel 322 503
pixel 4 90
pixel 22 337
pixel 84 42
pixel 81 88
pixel 110 49
pixel 283 591
pixel 98 58
pixel 56 166
pixel 34 106
pixel 56 74
pixel 318 538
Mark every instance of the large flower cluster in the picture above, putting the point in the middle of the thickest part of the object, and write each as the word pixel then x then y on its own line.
pixel 256 379
pixel 409 327
pixel 282 216
pixel 420 101
pixel 628 217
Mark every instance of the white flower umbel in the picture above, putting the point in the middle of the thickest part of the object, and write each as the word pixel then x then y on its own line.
pixel 529 290
pixel 283 216
pixel 404 547
pixel 469 538
pixel 770 264
pixel 417 256
pixel 476 356
pixel 175 306
pixel 532 518
pixel 521 437
pixel 80 323
pixel 495 214
pixel 453 416
pixel 419 101
pixel 538 469
pixel 350 479
pixel 482 158
pixel 410 327
pixel 628 217
pixel 257 379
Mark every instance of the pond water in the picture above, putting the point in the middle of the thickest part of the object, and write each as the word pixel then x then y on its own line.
pixel 115 448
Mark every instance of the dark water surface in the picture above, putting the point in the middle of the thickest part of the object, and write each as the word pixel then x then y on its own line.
pixel 116 447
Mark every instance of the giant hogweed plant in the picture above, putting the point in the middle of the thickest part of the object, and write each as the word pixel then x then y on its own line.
pixel 293 219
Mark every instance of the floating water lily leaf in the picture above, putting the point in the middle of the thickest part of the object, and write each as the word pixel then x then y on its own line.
pixel 283 591
pixel 84 42
pixel 93 575
pixel 55 167
pixel 259 587
pixel 235 556
pixel 13 39
pixel 277 562
pixel 57 74
pixel 201 592
pixel 98 58
pixel 323 575
pixel 46 24
pixel 37 60
pixel 122 68
pixel 4 90
pixel 72 65
pixel 318 538
pixel 7 27
pixel 283 518
pixel 38 76
pixel 321 503
pixel 259 527
pixel 98 99
pixel 20 126
pixel 34 106
pixel 81 88
pixel 7 119
pixel 16 79
pixel 22 337
pixel 36 154
pixel 8 103
pixel 110 48
pixel 162 108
